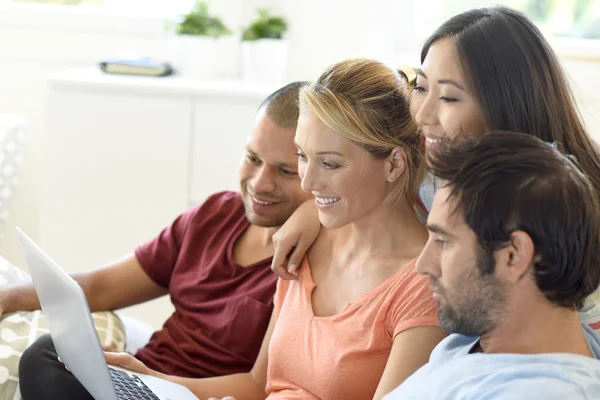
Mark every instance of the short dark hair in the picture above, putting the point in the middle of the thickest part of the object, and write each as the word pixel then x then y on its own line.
pixel 518 80
pixel 505 182
pixel 282 105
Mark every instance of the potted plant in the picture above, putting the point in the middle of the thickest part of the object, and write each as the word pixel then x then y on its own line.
pixel 202 48
pixel 264 49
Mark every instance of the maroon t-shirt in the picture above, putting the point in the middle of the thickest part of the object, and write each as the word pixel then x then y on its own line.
pixel 221 309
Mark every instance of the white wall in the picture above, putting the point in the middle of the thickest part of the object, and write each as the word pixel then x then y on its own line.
pixel 585 81
pixel 37 41
pixel 32 44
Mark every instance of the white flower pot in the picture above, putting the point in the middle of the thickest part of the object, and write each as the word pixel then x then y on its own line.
pixel 205 57
pixel 265 60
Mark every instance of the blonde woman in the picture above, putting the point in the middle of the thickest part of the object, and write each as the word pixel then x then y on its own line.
pixel 358 319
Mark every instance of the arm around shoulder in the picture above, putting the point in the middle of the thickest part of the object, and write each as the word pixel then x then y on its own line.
pixel 298 233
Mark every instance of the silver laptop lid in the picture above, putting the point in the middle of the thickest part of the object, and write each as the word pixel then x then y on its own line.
pixel 69 320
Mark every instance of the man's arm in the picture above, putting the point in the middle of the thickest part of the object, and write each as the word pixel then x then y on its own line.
pixel 245 386
pixel 119 284
pixel 248 386
pixel 294 238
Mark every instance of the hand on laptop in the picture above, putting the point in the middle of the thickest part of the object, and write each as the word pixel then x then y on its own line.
pixel 127 361
pixel 60 361
pixel 110 349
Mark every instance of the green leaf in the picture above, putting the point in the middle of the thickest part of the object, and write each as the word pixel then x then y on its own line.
pixel 199 22
pixel 265 26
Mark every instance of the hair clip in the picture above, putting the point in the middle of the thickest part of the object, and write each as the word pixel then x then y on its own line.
pixel 409 73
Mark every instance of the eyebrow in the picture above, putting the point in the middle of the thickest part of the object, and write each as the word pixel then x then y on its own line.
pixel 443 81
pixel 437 229
pixel 321 153
pixel 289 166
pixel 451 82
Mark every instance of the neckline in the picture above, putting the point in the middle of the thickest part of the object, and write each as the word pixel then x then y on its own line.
pixel 589 338
pixel 237 232
pixel 311 286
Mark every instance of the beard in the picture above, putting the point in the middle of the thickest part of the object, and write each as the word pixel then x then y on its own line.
pixel 261 220
pixel 477 300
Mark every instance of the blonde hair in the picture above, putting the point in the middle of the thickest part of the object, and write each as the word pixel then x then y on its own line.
pixel 366 102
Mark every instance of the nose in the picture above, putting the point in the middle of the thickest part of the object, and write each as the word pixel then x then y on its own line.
pixel 425 106
pixel 429 261
pixel 310 178
pixel 264 180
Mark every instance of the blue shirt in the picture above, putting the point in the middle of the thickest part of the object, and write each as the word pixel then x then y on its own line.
pixel 454 374
pixel 427 190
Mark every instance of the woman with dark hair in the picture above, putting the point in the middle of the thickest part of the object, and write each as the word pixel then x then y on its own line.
pixel 491 69
pixel 483 70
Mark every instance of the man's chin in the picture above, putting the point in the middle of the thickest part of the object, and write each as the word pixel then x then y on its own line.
pixel 264 221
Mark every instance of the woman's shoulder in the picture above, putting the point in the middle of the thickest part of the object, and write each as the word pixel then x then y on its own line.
pixel 410 301
pixel 404 284
pixel 408 282
pixel 322 247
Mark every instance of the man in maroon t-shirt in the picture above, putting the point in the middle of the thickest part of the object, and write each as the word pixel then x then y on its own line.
pixel 213 261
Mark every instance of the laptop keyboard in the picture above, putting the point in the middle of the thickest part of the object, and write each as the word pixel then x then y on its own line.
pixel 130 387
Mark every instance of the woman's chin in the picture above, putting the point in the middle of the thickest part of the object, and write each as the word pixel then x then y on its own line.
pixel 331 221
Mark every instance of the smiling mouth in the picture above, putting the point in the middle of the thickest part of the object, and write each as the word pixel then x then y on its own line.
pixel 432 140
pixel 263 202
pixel 327 201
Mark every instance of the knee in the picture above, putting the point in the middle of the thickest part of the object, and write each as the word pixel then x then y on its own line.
pixel 35 355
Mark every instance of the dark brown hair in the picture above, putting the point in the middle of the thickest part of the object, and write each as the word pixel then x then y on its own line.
pixel 282 105
pixel 518 80
pixel 505 182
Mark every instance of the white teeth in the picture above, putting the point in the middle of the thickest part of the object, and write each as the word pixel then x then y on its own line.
pixel 432 141
pixel 327 200
pixel 264 203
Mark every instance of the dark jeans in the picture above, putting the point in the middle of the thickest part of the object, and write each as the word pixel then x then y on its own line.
pixel 42 376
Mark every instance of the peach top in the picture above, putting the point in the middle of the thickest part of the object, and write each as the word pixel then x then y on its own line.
pixel 342 356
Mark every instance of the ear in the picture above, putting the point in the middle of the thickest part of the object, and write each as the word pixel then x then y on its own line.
pixel 514 261
pixel 395 163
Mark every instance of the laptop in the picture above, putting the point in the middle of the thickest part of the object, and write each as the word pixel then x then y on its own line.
pixel 70 322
